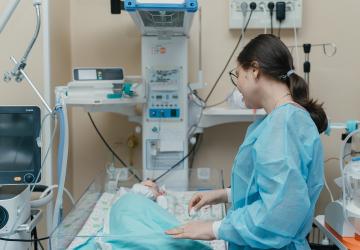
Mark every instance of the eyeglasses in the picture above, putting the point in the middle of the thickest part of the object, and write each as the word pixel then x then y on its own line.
pixel 233 76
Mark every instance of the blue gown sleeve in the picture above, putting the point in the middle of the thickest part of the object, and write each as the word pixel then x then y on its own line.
pixel 281 158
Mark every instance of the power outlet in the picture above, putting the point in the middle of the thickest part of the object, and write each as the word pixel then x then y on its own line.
pixel 260 18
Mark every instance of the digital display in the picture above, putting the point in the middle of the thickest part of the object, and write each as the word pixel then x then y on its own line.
pixel 17 142
pixel 98 74
pixel 87 74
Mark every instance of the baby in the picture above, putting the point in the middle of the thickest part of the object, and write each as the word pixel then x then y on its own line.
pixel 152 191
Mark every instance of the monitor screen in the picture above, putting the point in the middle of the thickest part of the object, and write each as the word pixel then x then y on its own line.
pixel 20 155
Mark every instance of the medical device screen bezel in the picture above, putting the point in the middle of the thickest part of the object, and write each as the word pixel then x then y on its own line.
pixel 26 175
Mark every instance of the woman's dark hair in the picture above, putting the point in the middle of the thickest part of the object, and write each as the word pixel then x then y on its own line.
pixel 274 60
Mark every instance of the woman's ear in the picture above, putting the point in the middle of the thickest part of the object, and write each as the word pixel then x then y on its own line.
pixel 255 70
pixel 256 73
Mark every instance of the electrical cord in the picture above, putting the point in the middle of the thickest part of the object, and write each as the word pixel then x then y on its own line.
pixel 23 240
pixel 352 152
pixel 262 7
pixel 223 101
pixel 34 234
pixel 202 104
pixel 50 189
pixel 331 159
pixel 111 150
pixel 297 46
pixel 193 128
pixel 280 14
pixel 35 240
pixel 196 146
pixel 41 246
pixel 47 151
pixel 176 164
pixel 279 31
pixel 325 180
pixel 271 7
pixel 229 59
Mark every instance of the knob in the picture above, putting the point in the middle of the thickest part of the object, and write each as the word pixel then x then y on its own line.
pixel 29 178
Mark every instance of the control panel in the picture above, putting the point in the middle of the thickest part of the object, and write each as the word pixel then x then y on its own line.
pixel 264 15
pixel 164 97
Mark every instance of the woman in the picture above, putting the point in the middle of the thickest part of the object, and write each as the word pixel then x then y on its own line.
pixel 277 174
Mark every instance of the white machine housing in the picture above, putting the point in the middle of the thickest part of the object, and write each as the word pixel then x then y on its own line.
pixel 335 218
pixel 165 115
pixel 15 210
pixel 164 26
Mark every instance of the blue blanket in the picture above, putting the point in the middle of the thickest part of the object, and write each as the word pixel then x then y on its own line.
pixel 137 223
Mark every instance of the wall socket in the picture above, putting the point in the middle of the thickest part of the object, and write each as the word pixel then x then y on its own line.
pixel 261 15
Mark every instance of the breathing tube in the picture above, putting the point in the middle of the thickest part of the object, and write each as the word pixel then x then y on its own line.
pixel 63 148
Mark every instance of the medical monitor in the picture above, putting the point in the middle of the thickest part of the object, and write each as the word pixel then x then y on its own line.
pixel 20 154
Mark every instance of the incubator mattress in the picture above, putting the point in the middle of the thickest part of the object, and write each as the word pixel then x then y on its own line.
pixel 177 203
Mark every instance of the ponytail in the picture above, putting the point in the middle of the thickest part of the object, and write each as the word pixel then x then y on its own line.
pixel 275 61
pixel 299 91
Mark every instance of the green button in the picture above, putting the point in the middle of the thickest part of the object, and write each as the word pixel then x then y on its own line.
pixel 114 96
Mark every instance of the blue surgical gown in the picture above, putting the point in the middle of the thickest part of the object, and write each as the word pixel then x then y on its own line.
pixel 276 180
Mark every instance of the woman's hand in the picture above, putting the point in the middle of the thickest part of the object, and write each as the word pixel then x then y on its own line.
pixel 196 230
pixel 207 198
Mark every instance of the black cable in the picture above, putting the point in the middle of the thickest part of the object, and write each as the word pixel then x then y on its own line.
pixel 34 233
pixel 41 246
pixel 271 7
pixel 279 31
pixel 104 141
pixel 280 14
pixel 197 96
pixel 111 150
pixel 50 246
pixel 197 146
pixel 22 240
pixel 229 60
pixel 353 152
pixel 177 164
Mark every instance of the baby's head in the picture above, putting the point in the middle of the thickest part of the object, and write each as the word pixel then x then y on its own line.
pixel 149 189
pixel 154 188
